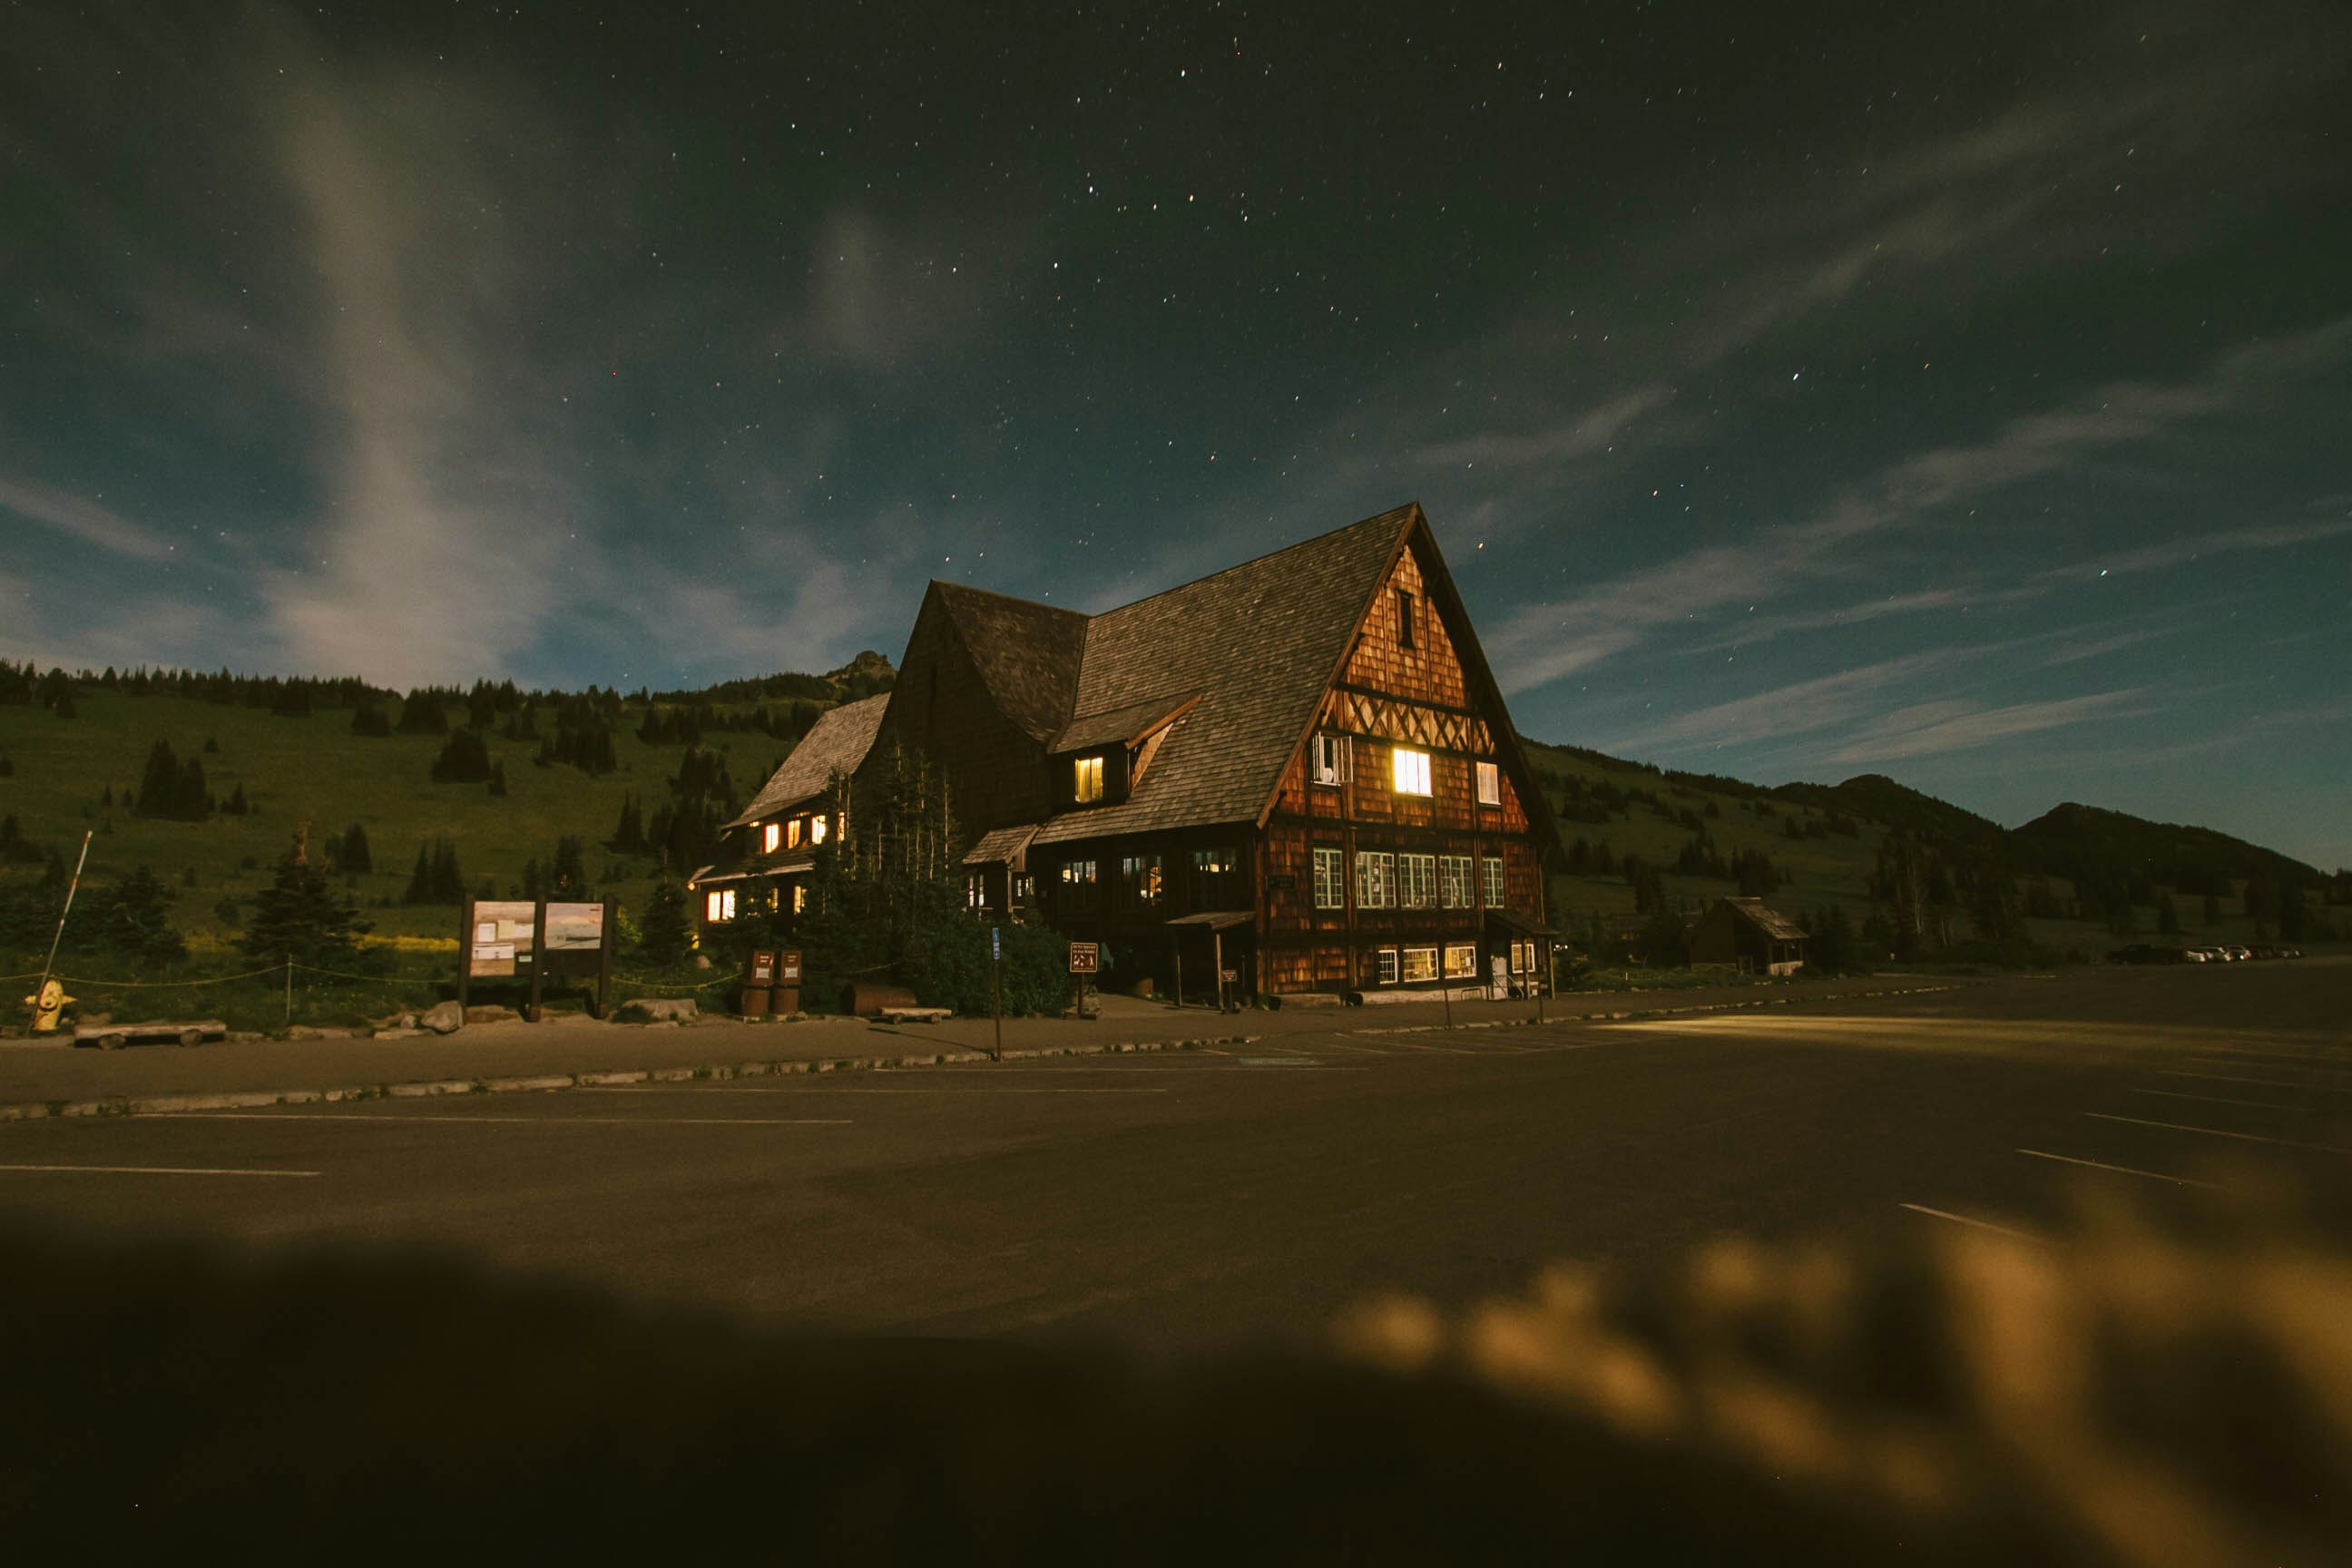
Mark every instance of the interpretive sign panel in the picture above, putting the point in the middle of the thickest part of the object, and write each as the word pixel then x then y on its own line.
pixel 502 937
pixel 1085 957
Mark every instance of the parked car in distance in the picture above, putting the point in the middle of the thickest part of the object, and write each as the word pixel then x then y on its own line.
pixel 2148 953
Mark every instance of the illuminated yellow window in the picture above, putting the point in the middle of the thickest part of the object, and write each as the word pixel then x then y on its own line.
pixel 1408 770
pixel 772 836
pixel 793 833
pixel 1087 781
pixel 800 898
pixel 816 830
pixel 718 906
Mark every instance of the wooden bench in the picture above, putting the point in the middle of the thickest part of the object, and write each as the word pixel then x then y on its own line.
pixel 114 1036
pixel 916 1014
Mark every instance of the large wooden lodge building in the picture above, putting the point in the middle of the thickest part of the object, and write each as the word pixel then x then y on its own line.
pixel 1299 768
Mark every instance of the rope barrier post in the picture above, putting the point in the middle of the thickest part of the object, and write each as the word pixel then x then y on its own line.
pixel 48 966
pixel 290 990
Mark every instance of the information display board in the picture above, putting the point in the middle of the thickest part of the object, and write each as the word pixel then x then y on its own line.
pixel 1083 957
pixel 501 938
pixel 528 939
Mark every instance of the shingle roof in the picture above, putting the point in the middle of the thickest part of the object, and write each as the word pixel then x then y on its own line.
pixel 1123 726
pixel 1003 846
pixel 1027 653
pixel 838 740
pixel 1767 920
pixel 1260 642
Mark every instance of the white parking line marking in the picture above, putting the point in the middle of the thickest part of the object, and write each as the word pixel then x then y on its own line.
pixel 706 1087
pixel 2214 1099
pixel 2120 1170
pixel 516 1121
pixel 1977 1223
pixel 2264 1082
pixel 2221 1133
pixel 155 1170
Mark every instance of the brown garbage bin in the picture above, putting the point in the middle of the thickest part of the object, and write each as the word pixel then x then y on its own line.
pixel 758 978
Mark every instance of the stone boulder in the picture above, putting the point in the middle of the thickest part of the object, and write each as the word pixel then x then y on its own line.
pixel 658 1010
pixel 443 1017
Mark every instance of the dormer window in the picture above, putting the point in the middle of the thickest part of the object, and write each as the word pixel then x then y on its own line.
pixel 772 836
pixel 1404 617
pixel 1327 760
pixel 817 829
pixel 793 833
pixel 1087 780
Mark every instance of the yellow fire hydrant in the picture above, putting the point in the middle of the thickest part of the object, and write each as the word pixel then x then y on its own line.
pixel 51 1002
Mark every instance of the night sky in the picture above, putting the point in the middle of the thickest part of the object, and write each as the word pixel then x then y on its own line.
pixel 1962 392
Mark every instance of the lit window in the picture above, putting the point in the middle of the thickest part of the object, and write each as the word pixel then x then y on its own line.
pixel 975 889
pixel 1375 880
pixel 1404 617
pixel 1461 961
pixel 1490 784
pixel 1331 879
pixel 1087 780
pixel 772 836
pixel 816 830
pixel 1453 881
pixel 1417 882
pixel 1492 867
pixel 800 898
pixel 1078 884
pixel 1388 957
pixel 718 906
pixel 1327 760
pixel 1409 770
pixel 793 834
pixel 1420 963
pixel 1138 880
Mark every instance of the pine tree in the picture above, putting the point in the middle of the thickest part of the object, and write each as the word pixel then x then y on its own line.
pixel 133 919
pixel 498 778
pixel 354 855
pixel 300 916
pixel 465 758
pixel 664 936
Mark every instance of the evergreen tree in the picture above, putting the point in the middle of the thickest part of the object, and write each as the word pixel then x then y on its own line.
pixel 1832 948
pixel 353 855
pixel 237 806
pixel 567 873
pixel 2168 919
pixel 664 936
pixel 498 778
pixel 302 916
pixel 370 719
pixel 465 758
pixel 133 919
pixel 421 713
pixel 629 836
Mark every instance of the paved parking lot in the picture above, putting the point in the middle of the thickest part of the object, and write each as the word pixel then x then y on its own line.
pixel 1188 1200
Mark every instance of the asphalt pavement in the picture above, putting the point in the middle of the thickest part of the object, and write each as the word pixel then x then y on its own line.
pixel 1244 1190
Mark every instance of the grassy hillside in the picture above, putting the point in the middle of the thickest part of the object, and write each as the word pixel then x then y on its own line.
pixel 2079 878
pixel 65 774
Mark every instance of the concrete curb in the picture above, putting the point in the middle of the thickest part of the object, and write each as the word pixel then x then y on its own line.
pixel 1640 1015
pixel 262 1098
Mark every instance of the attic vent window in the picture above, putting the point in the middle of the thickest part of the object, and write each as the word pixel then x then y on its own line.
pixel 1087 780
pixel 1404 617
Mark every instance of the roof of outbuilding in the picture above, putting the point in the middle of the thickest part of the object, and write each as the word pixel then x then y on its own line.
pixel 1767 920
pixel 837 742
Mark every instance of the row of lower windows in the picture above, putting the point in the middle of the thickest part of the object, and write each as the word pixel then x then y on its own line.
pixel 1332 761
pixel 718 904
pixel 1405 966
pixel 1388 881
pixel 1140 881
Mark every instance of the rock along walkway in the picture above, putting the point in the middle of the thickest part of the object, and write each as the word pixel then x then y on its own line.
pixel 39 1080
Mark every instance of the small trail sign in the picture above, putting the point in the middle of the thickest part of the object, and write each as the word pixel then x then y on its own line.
pixel 1085 958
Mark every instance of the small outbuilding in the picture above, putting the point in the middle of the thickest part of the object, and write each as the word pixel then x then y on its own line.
pixel 1751 935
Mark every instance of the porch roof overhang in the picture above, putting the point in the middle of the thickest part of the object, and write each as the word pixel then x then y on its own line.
pixel 1512 923
pixel 1214 920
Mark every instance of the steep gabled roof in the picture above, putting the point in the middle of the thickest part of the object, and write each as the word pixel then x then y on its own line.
pixel 1027 653
pixel 1767 920
pixel 839 741
pixel 1260 642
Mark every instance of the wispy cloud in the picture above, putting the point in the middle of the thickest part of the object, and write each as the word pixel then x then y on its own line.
pixel 81 519
pixel 2175 552
pixel 1800 708
pixel 1957 725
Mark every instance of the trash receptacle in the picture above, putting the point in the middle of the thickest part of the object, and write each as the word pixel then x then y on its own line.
pixel 786 996
pixel 759 977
